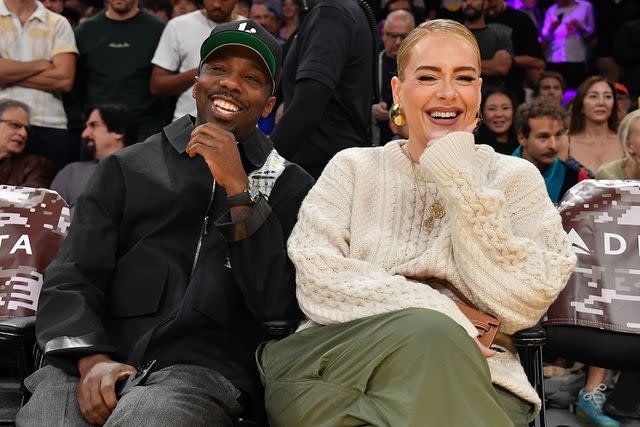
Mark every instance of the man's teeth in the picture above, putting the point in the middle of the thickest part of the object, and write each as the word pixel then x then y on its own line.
pixel 444 115
pixel 220 103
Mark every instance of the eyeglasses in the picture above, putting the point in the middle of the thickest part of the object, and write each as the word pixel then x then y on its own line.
pixel 16 125
pixel 400 36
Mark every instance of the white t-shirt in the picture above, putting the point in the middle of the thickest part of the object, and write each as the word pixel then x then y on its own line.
pixel 179 50
pixel 564 44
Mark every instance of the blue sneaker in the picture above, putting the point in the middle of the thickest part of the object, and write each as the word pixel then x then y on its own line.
pixel 589 408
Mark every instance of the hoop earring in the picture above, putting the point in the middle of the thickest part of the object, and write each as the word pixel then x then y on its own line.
pixel 396 116
pixel 478 121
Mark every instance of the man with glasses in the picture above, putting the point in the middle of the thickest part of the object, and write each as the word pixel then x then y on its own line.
pixel 17 168
pixel 396 28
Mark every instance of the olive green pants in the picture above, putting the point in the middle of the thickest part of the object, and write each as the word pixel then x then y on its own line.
pixel 412 367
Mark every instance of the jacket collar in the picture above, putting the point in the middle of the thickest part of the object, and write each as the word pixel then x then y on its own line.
pixel 253 150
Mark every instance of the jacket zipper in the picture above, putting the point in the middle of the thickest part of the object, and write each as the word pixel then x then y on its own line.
pixel 203 230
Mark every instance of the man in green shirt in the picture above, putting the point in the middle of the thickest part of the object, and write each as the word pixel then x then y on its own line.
pixel 116 47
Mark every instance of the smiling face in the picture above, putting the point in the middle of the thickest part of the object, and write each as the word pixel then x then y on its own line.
pixel 598 103
pixel 439 88
pixel 14 125
pixel 498 113
pixel 233 90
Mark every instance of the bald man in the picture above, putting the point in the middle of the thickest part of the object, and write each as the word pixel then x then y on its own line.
pixel 397 26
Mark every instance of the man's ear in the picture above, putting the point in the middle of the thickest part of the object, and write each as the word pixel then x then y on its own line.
pixel 396 86
pixel 268 106
pixel 521 139
pixel 195 87
pixel 120 139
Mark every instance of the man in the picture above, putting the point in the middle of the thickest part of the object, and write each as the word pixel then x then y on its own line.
pixel 16 168
pixel 266 16
pixel 528 57
pixel 54 5
pixel 327 85
pixel 626 51
pixel 494 41
pixel 177 254
pixel 37 64
pixel 175 61
pixel 623 100
pixel 551 85
pixel 161 9
pixel 540 125
pixel 568 24
pixel 110 128
pixel 397 27
pixel 116 47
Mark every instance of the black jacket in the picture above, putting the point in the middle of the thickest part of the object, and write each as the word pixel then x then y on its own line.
pixel 126 281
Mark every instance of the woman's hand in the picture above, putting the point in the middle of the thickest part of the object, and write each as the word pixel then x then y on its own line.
pixel 486 351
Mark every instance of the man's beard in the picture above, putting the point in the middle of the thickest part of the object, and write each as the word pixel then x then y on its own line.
pixel 472 15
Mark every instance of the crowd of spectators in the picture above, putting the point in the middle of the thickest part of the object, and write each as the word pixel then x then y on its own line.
pixel 558 78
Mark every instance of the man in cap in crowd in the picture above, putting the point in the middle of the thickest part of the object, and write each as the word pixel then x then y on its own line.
pixel 176 256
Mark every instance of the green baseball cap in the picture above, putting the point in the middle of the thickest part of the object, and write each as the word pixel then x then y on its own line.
pixel 250 34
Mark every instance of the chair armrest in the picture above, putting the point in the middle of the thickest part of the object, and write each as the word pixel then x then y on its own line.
pixel 278 329
pixel 534 336
pixel 18 325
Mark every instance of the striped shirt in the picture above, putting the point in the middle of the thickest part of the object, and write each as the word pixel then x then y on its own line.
pixel 44 35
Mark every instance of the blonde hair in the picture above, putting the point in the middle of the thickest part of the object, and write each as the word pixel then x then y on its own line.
pixel 625 127
pixel 442 26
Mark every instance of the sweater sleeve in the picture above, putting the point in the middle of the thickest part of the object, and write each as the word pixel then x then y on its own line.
pixel 332 285
pixel 508 242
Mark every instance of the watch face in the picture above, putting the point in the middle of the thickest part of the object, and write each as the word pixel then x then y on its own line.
pixel 253 193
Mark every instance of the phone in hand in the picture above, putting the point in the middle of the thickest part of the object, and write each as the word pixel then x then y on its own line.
pixel 139 378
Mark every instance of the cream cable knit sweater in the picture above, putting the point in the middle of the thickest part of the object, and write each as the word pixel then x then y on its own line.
pixel 359 237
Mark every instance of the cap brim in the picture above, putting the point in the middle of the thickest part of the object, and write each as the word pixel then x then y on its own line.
pixel 240 38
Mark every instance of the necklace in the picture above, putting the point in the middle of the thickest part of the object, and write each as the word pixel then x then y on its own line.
pixel 436 211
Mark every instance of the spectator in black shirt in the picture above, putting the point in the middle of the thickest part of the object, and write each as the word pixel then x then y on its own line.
pixel 494 40
pixel 497 129
pixel 327 85
pixel 397 26
pixel 527 52
pixel 177 254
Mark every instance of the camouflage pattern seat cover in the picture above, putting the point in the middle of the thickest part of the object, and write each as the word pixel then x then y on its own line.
pixel 33 224
pixel 602 219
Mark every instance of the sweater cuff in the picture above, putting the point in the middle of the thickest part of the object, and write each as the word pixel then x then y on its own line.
pixel 449 155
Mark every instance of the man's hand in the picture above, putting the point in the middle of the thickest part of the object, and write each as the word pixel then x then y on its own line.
pixel 219 149
pixel 381 111
pixel 96 388
pixel 486 351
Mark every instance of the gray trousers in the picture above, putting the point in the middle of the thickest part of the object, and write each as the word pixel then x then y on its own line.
pixel 176 396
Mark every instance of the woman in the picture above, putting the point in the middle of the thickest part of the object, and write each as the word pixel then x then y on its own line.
pixel 594 121
pixel 629 166
pixel 290 19
pixel 497 128
pixel 379 223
